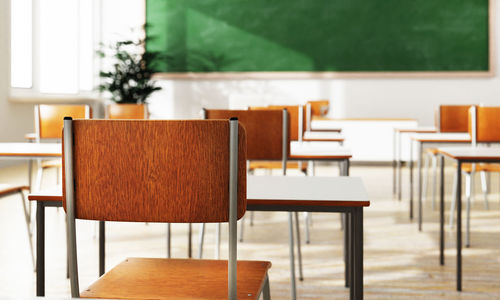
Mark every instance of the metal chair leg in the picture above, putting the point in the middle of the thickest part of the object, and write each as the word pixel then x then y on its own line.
pixel 217 241
pixel 242 228
pixel 425 180
pixel 469 186
pixel 27 219
pixel 485 188
pixel 299 246
pixel 307 223
pixel 251 218
pixel 169 238
pixel 266 291
pixel 293 287
pixel 434 180
pixel 453 200
pixel 201 236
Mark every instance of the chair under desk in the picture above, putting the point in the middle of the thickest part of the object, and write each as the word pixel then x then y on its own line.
pixel 290 194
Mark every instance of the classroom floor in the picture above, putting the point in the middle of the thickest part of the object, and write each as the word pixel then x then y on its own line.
pixel 400 262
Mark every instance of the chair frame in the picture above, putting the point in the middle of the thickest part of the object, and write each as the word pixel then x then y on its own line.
pixel 233 197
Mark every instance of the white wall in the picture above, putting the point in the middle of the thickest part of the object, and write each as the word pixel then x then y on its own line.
pixel 350 98
pixel 15 119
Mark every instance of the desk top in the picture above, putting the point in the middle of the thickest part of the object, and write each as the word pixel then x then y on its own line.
pixel 284 190
pixel 323 136
pixel 423 129
pixel 306 190
pixel 30 150
pixel 318 150
pixel 480 154
pixel 438 137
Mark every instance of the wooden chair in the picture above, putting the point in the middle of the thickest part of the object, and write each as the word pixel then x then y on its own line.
pixel 448 119
pixel 167 171
pixel 316 108
pixel 48 126
pixel 484 128
pixel 267 139
pixel 6 190
pixel 127 111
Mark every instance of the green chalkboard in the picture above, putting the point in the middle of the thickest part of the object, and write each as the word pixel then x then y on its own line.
pixel 319 35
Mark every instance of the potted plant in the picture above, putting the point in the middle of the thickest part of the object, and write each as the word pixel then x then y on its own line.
pixel 128 80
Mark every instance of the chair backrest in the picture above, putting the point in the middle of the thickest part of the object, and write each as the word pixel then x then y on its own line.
pixel 264 131
pixel 453 118
pixel 127 111
pixel 154 171
pixel 484 124
pixel 319 108
pixel 296 128
pixel 49 118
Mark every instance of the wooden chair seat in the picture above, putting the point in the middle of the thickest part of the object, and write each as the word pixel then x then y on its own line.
pixel 276 165
pixel 6 189
pixel 157 278
pixel 53 163
pixel 467 167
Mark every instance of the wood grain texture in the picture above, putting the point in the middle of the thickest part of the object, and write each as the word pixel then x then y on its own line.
pixel 293 119
pixel 319 107
pixel 51 118
pixel 6 189
pixel 453 118
pixel 263 128
pixel 127 111
pixel 153 278
pixel 488 124
pixel 155 171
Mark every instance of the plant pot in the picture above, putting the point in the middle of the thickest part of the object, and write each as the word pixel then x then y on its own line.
pixel 127 111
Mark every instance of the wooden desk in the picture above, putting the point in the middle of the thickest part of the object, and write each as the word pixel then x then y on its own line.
pixel 421 140
pixel 461 155
pixel 30 150
pixel 291 194
pixel 397 161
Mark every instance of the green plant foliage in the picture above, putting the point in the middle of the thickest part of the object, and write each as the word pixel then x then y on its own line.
pixel 128 80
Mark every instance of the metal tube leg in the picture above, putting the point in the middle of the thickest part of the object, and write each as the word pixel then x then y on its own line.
pixel 190 244
pixel 358 256
pixel 201 236
pixel 40 249
pixel 394 175
pixel 266 291
pixel 169 239
pixel 102 247
pixel 299 246
pixel 425 177
pixel 352 236
pixel 217 241
pixel 419 162
pixel 441 212
pixel 434 180
pixel 411 180
pixel 39 175
pixel 459 226
pixel 242 228
pixel 251 218
pixel 453 200
pixel 347 248
pixel 400 171
pixel 485 188
pixel 293 287
pixel 28 228
pixel 307 223
pixel 469 185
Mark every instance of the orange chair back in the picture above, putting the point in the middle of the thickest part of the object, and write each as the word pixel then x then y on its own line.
pixel 127 111
pixel 453 118
pixel 154 171
pixel 264 131
pixel 293 120
pixel 487 124
pixel 319 108
pixel 50 118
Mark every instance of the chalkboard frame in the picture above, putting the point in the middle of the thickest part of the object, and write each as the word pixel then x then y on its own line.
pixel 345 74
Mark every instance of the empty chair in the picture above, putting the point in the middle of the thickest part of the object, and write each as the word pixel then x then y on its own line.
pixel 127 111
pixel 166 171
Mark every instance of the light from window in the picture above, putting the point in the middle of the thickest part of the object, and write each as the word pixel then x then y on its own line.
pixel 21 44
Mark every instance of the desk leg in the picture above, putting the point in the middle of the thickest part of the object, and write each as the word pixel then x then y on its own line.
pixel 394 175
pixel 411 180
pixel 352 237
pixel 419 163
pixel 293 288
pixel 459 226
pixel 102 247
pixel 358 254
pixel 347 247
pixel 40 249
pixel 441 212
